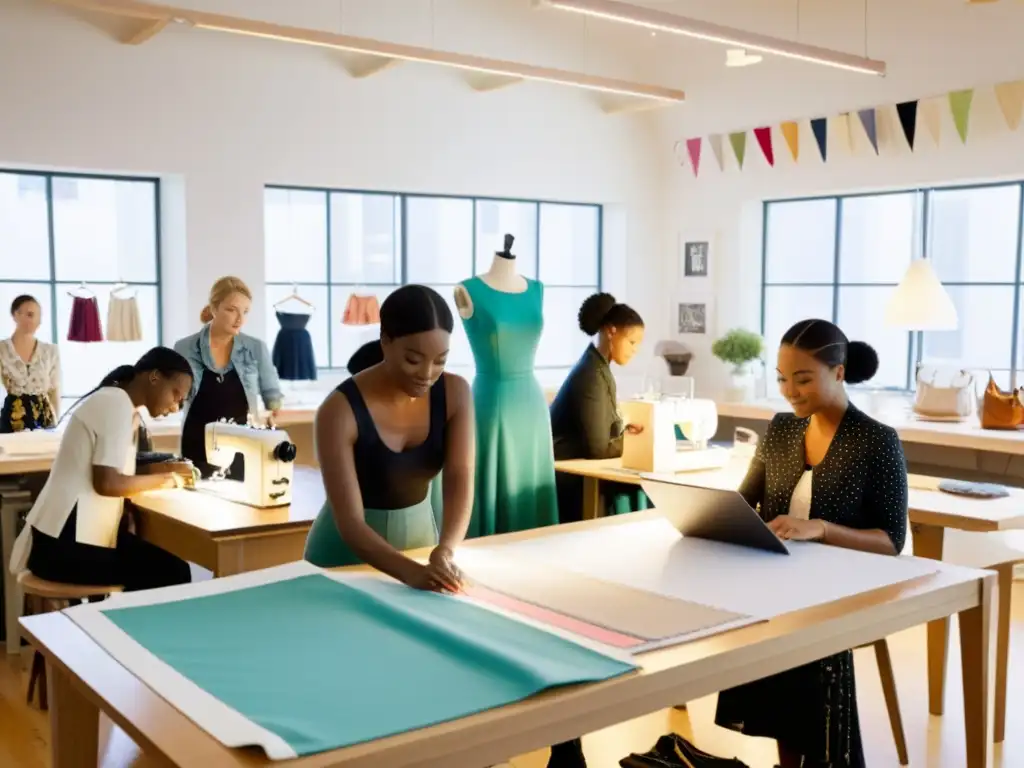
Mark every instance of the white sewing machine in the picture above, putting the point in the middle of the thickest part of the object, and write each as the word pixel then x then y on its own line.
pixel 269 458
pixel 657 449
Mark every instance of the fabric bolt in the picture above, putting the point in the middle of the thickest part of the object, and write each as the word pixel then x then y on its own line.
pixel 85 320
pixel 861 483
pixel 363 640
pixel 293 355
pixel 361 310
pixel 398 499
pixel 515 469
pixel 123 320
pixel 220 396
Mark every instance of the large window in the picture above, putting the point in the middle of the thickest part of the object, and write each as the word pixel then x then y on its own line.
pixel 330 245
pixel 840 258
pixel 65 235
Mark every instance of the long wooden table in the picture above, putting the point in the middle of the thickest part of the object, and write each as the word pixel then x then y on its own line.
pixel 931 512
pixel 84 681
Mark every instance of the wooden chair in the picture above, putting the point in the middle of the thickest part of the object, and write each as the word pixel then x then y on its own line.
pixel 42 596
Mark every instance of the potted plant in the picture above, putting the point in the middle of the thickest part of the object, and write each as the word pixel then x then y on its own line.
pixel 739 347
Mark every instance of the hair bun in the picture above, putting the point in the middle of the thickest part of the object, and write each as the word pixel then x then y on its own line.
pixel 861 362
pixel 206 315
pixel 593 312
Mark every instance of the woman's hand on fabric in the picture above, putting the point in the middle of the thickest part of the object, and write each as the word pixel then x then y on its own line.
pixel 433 577
pixel 445 572
pixel 797 529
pixel 634 429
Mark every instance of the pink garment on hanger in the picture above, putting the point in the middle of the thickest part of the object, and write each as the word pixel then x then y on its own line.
pixel 361 310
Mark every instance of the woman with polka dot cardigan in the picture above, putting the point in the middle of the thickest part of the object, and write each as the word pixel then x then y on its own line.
pixel 826 472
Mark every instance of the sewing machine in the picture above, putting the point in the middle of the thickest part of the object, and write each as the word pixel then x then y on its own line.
pixel 657 448
pixel 269 458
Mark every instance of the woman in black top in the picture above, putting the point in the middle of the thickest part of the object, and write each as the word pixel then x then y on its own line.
pixel 585 421
pixel 826 472
pixel 384 435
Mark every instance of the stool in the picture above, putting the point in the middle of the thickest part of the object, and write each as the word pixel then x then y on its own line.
pixel 891 701
pixel 42 596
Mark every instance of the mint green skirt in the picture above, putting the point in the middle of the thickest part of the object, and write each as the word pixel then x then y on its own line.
pixel 404 529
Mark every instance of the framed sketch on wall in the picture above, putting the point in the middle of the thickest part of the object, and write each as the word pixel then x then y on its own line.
pixel 692 318
pixel 695 259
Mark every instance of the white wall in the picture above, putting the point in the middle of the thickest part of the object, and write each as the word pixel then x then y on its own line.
pixel 218 117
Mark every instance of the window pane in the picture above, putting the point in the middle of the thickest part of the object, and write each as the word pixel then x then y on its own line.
pixel 973 234
pixel 787 305
pixel 346 339
pixel 365 237
pixel 877 238
pixel 440 240
pixel 104 230
pixel 317 325
pixel 800 241
pixel 570 240
pixel 24 234
pixel 83 365
pixel 41 293
pixel 985 336
pixel 562 342
pixel 295 229
pixel 494 218
pixel 862 318
pixel 460 356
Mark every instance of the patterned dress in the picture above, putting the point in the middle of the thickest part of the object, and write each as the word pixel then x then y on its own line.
pixel 32 389
pixel 861 483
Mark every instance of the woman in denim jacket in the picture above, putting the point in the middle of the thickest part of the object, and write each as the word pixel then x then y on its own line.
pixel 232 371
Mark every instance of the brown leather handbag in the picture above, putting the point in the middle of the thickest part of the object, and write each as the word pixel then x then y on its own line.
pixel 1001 410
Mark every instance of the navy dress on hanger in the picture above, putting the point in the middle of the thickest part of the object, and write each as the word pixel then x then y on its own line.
pixel 293 348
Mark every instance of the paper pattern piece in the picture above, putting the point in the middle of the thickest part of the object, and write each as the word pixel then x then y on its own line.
pixel 1011 102
pixel 738 141
pixel 693 149
pixel 715 142
pixel 907 113
pixel 819 127
pixel 960 106
pixel 791 133
pixel 353 644
pixel 764 140
pixel 653 556
pixel 868 119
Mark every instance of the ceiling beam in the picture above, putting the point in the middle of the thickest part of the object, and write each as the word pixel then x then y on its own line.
pixel 377 48
pixel 147 31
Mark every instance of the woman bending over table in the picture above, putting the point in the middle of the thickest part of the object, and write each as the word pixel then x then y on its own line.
pixel 383 436
pixel 74 532
pixel 829 473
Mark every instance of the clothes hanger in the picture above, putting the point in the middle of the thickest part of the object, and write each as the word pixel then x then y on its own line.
pixel 83 292
pixel 294 296
pixel 120 286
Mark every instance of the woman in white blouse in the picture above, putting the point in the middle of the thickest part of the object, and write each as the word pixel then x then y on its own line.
pixel 29 372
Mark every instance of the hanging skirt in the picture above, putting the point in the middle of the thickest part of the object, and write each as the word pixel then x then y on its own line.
pixel 123 321
pixel 22 412
pixel 85 320
pixel 293 355
pixel 404 529
pixel 361 310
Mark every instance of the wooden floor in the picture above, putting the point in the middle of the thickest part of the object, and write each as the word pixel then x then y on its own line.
pixel 933 742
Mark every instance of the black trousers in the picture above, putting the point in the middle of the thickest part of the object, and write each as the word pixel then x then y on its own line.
pixel 134 564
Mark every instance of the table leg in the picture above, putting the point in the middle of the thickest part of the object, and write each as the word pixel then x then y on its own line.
pixel 591 498
pixel 977 647
pixel 74 723
pixel 928 543
pixel 11 503
pixel 1005 572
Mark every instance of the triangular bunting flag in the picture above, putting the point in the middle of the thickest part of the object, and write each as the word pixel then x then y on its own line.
pixel 791 133
pixel 1011 102
pixel 843 131
pixel 819 127
pixel 932 116
pixel 907 113
pixel 693 149
pixel 960 106
pixel 679 150
pixel 715 141
pixel 869 121
pixel 739 146
pixel 764 140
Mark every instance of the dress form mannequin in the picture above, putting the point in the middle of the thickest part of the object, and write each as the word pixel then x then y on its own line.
pixel 502 276
pixel 502 313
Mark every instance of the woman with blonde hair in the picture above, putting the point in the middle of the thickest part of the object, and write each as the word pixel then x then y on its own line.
pixel 232 372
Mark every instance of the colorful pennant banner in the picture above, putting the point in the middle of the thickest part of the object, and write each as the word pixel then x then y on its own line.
pixel 828 132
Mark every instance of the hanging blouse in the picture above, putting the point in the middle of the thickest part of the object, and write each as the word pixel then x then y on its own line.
pixel 39 376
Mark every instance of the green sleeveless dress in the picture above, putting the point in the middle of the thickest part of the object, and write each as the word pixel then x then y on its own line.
pixel 515 466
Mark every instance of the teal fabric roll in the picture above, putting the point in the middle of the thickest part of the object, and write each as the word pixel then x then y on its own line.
pixel 403 529
pixel 325 665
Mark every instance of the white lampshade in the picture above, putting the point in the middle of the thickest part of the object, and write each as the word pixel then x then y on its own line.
pixel 920 302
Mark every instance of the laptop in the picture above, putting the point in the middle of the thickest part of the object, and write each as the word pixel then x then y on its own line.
pixel 713 513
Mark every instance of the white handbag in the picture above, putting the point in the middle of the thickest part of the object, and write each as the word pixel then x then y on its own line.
pixel 949 402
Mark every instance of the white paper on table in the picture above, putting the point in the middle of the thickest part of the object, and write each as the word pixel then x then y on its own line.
pixel 654 556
